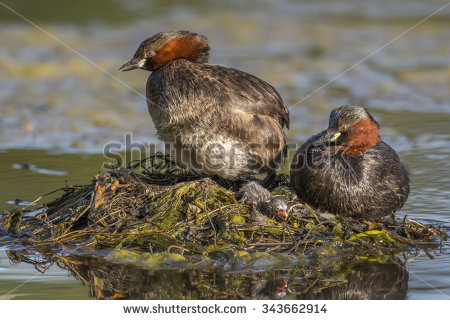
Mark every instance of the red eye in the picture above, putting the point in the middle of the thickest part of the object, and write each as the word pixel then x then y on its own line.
pixel 343 128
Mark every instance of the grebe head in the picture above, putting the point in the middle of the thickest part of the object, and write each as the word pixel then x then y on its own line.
pixel 351 129
pixel 275 207
pixel 280 207
pixel 164 47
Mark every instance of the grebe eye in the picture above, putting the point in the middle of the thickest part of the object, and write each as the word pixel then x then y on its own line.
pixel 151 53
pixel 343 128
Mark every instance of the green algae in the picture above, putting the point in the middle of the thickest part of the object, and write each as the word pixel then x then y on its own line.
pixel 156 207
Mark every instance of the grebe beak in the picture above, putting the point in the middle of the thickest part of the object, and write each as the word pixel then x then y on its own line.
pixel 282 213
pixel 133 64
pixel 282 287
pixel 328 137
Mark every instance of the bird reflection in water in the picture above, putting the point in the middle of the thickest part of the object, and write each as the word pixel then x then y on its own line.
pixel 353 280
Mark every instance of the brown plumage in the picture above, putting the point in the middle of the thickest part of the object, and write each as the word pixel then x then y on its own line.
pixel 214 119
pixel 348 171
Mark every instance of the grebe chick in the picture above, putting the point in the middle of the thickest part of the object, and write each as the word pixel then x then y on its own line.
pixel 262 199
pixel 348 171
pixel 213 119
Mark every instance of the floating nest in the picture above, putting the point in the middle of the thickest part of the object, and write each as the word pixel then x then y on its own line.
pixel 155 206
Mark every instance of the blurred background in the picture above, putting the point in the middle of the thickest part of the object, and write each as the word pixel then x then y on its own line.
pixel 54 98
pixel 62 98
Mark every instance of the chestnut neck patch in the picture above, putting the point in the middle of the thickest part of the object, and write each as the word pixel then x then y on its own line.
pixel 187 47
pixel 363 136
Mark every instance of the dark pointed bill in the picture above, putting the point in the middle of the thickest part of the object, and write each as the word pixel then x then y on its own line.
pixel 132 64
pixel 328 137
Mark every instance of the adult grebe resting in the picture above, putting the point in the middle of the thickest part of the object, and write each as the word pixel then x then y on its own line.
pixel 348 171
pixel 216 120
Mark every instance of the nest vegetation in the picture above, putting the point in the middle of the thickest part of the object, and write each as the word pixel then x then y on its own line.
pixel 155 206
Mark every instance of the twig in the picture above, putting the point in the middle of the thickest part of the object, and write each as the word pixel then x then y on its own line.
pixel 292 236
pixel 307 240
pixel 405 228
pixel 270 244
pixel 177 247
pixel 405 240
pixel 312 211
pixel 205 197
pixel 95 234
pixel 68 263
pixel 273 249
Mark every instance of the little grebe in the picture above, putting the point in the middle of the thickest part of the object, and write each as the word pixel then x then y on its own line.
pixel 261 198
pixel 348 171
pixel 214 119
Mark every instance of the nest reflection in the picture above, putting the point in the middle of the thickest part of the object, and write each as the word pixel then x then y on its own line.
pixel 342 279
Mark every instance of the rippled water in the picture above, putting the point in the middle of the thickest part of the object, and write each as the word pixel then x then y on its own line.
pixel 62 95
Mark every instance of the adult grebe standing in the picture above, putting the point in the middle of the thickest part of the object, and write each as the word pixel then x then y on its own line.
pixel 216 120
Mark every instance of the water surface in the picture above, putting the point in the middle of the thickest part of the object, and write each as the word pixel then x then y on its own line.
pixel 62 103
